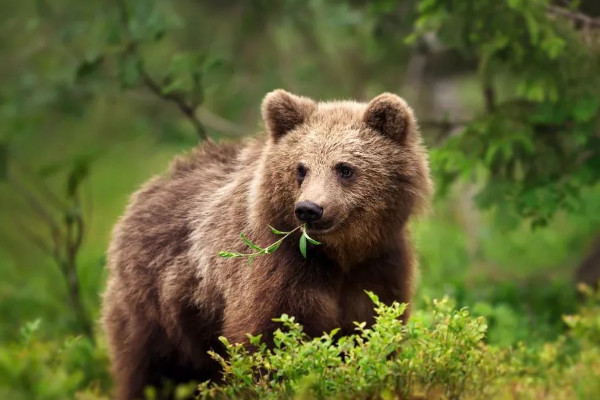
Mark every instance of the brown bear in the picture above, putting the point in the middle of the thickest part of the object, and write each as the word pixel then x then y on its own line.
pixel 352 172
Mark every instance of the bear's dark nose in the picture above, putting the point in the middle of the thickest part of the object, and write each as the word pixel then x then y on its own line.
pixel 307 211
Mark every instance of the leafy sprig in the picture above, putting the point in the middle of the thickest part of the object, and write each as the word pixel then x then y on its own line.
pixel 304 239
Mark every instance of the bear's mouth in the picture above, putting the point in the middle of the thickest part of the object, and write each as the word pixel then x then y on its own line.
pixel 321 227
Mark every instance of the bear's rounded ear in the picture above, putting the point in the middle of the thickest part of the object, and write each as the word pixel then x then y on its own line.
pixel 389 115
pixel 283 111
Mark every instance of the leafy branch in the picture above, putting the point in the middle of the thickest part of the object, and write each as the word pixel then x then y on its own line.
pixel 164 90
pixel 304 238
pixel 66 231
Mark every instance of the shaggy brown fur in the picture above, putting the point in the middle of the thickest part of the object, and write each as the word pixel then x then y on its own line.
pixel 170 296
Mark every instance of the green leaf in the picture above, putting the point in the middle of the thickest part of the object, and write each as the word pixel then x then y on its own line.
pixel 303 245
pixel 254 340
pixel 273 247
pixel 313 241
pixel 585 109
pixel 249 243
pixel 277 232
pixel 374 298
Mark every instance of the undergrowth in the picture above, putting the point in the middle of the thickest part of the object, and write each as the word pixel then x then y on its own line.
pixel 441 353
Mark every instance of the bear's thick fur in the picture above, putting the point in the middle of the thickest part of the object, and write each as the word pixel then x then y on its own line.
pixel 170 296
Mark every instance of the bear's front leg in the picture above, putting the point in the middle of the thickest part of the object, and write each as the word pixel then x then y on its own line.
pixel 317 312
pixel 131 351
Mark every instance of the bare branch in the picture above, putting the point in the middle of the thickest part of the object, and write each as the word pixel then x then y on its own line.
pixel 208 118
pixel 220 124
pixel 445 128
pixel 178 100
pixel 574 16
pixel 36 239
pixel 62 246
pixel 35 204
pixel 41 186
pixel 443 124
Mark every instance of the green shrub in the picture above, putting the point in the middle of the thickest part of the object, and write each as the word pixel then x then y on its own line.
pixel 440 351
pixel 33 368
pixel 585 326
pixel 439 354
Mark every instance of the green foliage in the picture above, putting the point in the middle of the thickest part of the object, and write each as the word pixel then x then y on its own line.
pixel 441 349
pixel 441 353
pixel 585 326
pixel 304 238
pixel 33 368
pixel 537 148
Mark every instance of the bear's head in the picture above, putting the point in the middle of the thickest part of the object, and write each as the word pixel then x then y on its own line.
pixel 353 172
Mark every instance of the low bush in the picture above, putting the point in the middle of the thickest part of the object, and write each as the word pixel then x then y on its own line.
pixel 441 353
pixel 34 368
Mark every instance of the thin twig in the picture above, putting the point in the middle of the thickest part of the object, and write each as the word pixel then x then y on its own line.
pixel 36 239
pixel 443 124
pixel 446 128
pixel 208 118
pixel 220 124
pixel 574 16
pixel 185 108
pixel 62 246
pixel 35 204
pixel 41 185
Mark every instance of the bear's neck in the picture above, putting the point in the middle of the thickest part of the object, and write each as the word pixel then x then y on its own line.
pixel 353 251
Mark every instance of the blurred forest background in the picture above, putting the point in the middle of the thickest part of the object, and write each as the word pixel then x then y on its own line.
pixel 96 97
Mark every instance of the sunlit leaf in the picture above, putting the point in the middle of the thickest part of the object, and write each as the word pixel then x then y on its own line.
pixel 311 240
pixel 273 247
pixel 249 243
pixel 277 232
pixel 303 245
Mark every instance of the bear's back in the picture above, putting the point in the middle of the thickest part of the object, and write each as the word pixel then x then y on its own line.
pixel 151 240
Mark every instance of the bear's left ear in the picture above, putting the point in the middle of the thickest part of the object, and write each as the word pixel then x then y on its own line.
pixel 391 116
pixel 283 111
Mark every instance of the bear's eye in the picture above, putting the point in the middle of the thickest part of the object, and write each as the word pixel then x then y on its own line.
pixel 300 172
pixel 345 171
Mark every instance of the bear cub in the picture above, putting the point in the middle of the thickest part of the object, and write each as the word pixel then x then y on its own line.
pixel 352 172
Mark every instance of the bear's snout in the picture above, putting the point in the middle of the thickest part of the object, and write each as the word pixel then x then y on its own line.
pixel 307 211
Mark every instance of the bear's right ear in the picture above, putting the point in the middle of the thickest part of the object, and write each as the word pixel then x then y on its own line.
pixel 283 111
